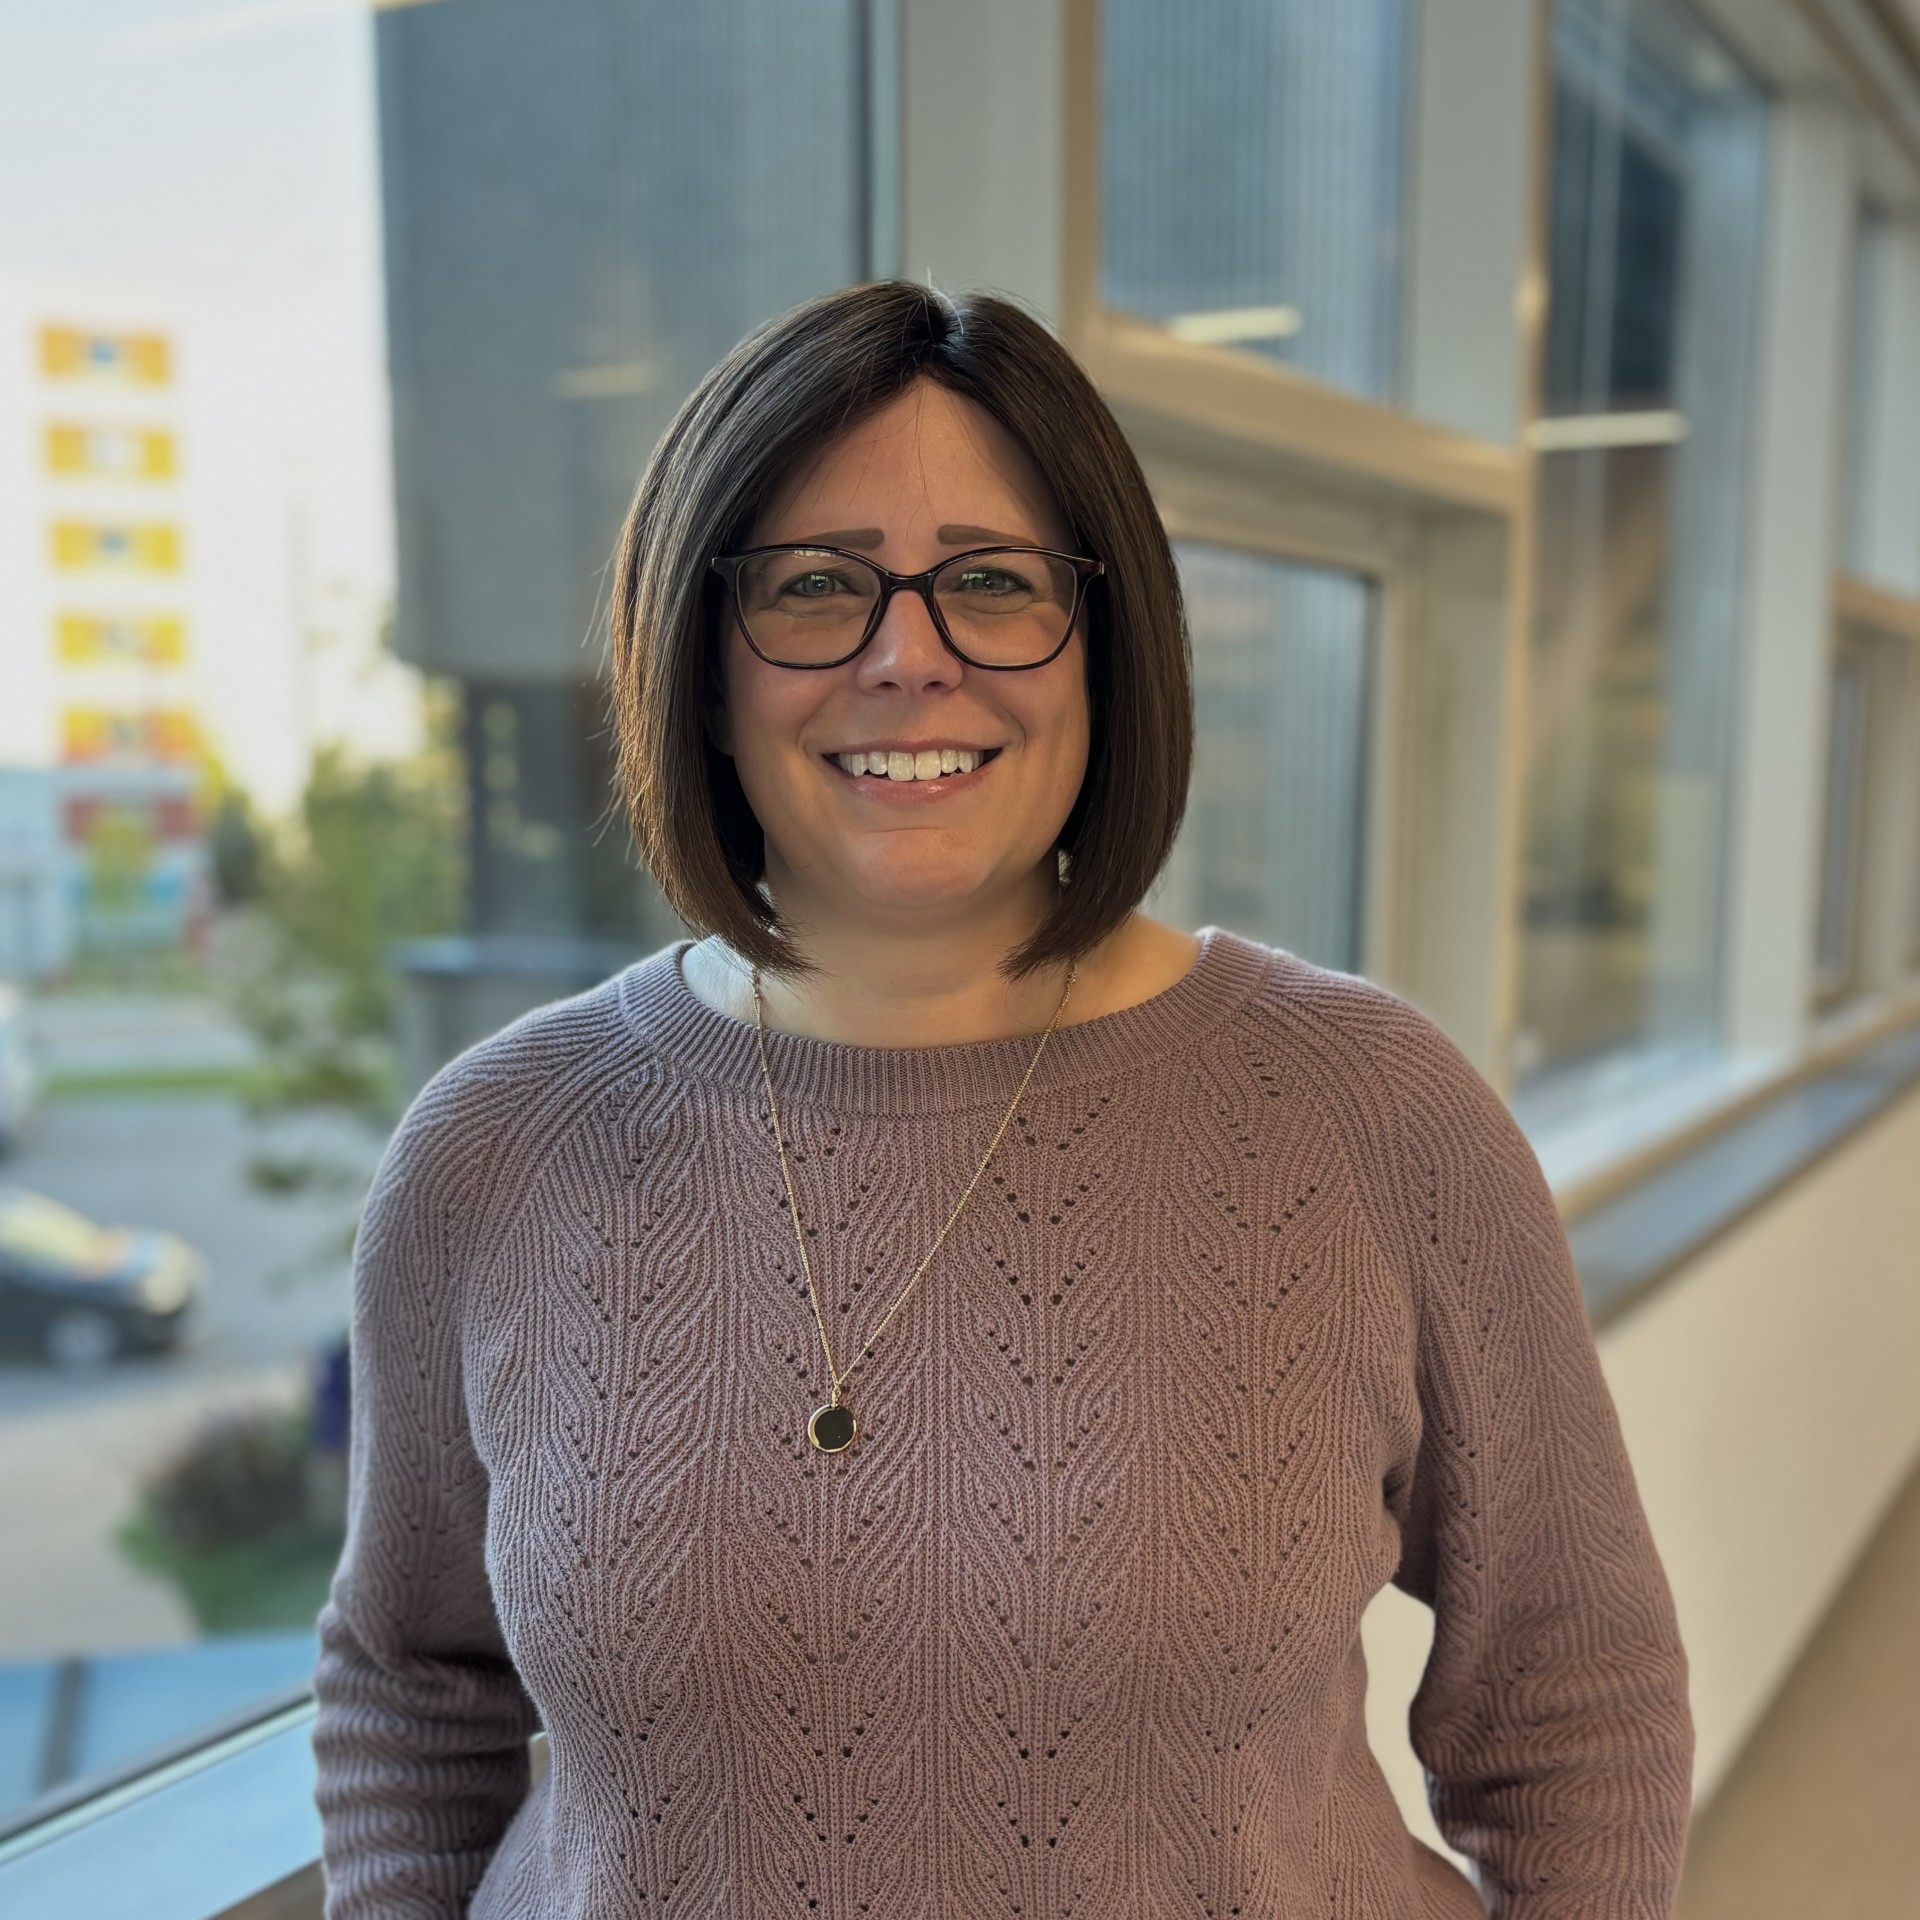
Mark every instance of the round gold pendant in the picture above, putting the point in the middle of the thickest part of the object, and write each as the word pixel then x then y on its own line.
pixel 831 1429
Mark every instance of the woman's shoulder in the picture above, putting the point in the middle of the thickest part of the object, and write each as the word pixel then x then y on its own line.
pixel 1385 1071
pixel 480 1124
pixel 1428 1141
pixel 1344 1014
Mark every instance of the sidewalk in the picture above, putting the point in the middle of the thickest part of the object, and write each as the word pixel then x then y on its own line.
pixel 92 1034
pixel 68 1479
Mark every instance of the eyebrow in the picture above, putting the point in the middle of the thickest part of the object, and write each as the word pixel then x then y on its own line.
pixel 950 536
pixel 961 536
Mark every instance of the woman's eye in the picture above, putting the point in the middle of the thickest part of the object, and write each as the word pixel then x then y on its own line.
pixel 812 586
pixel 991 580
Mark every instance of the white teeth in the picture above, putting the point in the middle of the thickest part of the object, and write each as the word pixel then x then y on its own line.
pixel 927 765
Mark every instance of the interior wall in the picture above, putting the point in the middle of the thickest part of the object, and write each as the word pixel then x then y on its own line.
pixel 1770 1397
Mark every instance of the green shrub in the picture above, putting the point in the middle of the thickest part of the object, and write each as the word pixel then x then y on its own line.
pixel 245 1521
pixel 242 1477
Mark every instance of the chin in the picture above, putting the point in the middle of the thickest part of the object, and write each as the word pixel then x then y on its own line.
pixel 925 893
pixel 923 884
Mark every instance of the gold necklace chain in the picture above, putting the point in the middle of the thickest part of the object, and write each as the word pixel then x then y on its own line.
pixel 832 1427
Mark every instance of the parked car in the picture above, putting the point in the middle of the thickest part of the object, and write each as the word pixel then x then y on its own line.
pixel 19 1079
pixel 82 1294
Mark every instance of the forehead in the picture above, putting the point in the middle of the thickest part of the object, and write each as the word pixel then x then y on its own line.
pixel 929 457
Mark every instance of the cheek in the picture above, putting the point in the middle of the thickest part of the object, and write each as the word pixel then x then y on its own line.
pixel 759 714
pixel 1069 726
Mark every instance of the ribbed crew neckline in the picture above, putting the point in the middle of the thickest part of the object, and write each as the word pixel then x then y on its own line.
pixel 662 1012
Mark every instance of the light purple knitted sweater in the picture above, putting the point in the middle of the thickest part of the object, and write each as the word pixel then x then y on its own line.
pixel 1264 1304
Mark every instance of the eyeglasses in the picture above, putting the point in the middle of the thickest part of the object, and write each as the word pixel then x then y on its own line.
pixel 1002 608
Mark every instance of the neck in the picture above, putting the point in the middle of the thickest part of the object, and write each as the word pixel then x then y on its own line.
pixel 915 986
pixel 890 991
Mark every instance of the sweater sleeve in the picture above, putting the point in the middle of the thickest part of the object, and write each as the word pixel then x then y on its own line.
pixel 1552 1719
pixel 422 1726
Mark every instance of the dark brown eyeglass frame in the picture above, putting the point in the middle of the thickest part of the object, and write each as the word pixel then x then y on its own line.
pixel 728 565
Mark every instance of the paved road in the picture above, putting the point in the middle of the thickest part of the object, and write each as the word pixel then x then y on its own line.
pixel 73 1450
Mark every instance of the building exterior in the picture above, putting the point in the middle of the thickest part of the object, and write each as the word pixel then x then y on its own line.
pixel 676 175
pixel 100 742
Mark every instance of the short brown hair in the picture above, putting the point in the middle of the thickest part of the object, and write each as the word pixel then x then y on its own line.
pixel 779 397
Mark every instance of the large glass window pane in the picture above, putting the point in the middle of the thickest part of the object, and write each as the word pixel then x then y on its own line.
pixel 1253 177
pixel 1656 215
pixel 585 206
pixel 226 807
pixel 1273 844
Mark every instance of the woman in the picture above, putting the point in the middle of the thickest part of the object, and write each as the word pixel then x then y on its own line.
pixel 915 1390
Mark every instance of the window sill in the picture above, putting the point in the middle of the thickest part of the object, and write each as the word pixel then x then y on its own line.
pixel 1693 1156
pixel 227 1830
pixel 1597 1130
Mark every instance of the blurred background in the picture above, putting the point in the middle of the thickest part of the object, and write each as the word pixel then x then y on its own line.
pixel 1532 391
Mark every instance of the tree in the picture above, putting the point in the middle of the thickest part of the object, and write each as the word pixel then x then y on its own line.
pixel 376 854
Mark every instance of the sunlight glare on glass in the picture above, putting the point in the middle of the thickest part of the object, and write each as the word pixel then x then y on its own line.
pixel 1227 326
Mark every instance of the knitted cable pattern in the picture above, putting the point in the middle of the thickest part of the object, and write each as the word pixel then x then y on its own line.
pixel 1265 1303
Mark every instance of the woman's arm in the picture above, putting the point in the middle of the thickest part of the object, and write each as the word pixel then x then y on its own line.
pixel 1552 1718
pixel 421 1736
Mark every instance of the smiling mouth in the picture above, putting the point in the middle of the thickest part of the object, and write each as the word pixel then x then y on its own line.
pixel 935 763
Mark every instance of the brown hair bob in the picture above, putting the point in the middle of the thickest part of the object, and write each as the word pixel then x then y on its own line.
pixel 779 398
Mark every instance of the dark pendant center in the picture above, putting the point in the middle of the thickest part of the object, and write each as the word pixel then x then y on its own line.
pixel 831 1429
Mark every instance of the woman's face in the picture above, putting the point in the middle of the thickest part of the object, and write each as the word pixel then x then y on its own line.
pixel 929 476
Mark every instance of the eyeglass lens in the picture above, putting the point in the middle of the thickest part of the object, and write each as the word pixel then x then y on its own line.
pixel 1005 608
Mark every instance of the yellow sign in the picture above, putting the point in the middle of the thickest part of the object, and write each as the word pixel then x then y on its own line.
pixel 88 639
pixel 166 734
pixel 79 353
pixel 110 453
pixel 116 546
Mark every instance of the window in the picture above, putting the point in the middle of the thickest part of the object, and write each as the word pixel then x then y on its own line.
pixel 581 218
pixel 1843 834
pixel 1252 177
pixel 1863 943
pixel 1273 845
pixel 1913 879
pixel 1656 198
pixel 224 802
pixel 1864 422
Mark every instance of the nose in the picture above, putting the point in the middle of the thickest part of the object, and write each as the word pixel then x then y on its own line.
pixel 906 651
